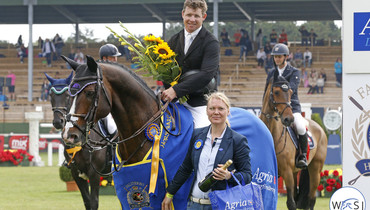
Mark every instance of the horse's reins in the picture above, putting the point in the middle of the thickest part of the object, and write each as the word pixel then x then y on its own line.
pixel 90 116
pixel 276 117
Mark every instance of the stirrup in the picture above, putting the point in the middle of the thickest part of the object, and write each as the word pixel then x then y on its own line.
pixel 301 163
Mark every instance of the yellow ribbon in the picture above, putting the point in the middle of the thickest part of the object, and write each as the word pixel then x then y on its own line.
pixel 73 151
pixel 174 83
pixel 155 164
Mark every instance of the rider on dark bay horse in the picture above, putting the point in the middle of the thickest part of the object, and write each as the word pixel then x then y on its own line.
pixel 291 74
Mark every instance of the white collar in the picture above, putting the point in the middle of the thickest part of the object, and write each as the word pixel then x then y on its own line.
pixel 194 33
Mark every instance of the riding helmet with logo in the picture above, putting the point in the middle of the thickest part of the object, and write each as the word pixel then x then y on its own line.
pixel 280 49
pixel 108 50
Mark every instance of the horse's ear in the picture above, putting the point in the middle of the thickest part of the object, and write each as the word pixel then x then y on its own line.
pixel 69 78
pixel 91 63
pixel 71 62
pixel 51 80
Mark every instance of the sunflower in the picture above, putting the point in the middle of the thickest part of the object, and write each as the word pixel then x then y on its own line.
pixel 150 38
pixel 159 40
pixel 163 51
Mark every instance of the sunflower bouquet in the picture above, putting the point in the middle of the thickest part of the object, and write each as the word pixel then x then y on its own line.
pixel 153 56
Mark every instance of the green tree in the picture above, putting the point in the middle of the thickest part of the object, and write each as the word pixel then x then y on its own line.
pixel 85 37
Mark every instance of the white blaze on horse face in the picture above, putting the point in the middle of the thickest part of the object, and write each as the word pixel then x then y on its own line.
pixel 69 123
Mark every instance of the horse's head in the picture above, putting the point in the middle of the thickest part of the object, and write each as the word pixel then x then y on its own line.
pixel 90 101
pixel 60 99
pixel 279 99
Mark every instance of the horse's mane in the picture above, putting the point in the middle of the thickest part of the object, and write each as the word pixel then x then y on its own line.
pixel 134 75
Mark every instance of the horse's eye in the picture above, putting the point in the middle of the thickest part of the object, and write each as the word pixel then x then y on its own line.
pixel 90 94
pixel 276 93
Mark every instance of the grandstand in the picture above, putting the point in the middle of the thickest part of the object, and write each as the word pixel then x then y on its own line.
pixel 241 81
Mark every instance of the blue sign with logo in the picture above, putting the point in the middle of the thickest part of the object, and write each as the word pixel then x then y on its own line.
pixel 361 30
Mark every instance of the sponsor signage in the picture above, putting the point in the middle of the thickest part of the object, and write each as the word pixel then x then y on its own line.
pixel 361 31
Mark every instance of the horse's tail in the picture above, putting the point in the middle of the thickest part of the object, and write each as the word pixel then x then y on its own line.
pixel 304 189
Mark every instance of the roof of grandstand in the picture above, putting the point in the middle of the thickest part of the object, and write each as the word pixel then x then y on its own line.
pixel 146 11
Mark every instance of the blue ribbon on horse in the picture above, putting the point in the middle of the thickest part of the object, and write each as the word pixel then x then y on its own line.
pixel 132 181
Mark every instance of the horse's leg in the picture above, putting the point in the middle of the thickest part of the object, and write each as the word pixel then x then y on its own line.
pixel 95 185
pixel 83 186
pixel 314 169
pixel 289 184
pixel 99 160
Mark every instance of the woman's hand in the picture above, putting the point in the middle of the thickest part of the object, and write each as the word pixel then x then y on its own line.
pixel 221 174
pixel 166 203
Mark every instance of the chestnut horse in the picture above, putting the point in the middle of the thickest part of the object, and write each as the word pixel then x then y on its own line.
pixel 81 167
pixel 277 115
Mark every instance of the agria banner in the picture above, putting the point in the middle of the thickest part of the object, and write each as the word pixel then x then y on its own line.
pixel 361 23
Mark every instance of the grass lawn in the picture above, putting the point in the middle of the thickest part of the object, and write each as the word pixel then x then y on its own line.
pixel 39 188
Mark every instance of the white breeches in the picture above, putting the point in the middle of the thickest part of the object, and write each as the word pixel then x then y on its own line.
pixel 199 114
pixel 299 123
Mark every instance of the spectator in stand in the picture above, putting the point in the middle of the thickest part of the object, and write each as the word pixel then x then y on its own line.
pixel 11 88
pixel 269 63
pixel 322 72
pixel 47 49
pixel 45 90
pixel 267 48
pixel 320 84
pixel 22 52
pixel 297 59
pixel 79 56
pixel 19 41
pixel 312 37
pixel 259 37
pixel 338 72
pixel 283 38
pixel 40 42
pixel 123 49
pixel 307 58
pixel 243 46
pixel 261 57
pixel 273 37
pixel 59 44
pixel 225 38
pixel 312 82
pixel 237 37
pixel 304 77
pixel 304 35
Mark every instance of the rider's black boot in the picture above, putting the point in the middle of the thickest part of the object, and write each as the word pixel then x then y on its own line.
pixel 302 162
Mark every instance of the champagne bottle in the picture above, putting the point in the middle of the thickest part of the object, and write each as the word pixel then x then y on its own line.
pixel 209 181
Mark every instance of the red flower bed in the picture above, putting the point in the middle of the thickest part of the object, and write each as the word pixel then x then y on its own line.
pixel 14 156
pixel 330 181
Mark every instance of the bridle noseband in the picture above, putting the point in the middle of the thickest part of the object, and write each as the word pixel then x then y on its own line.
pixel 284 86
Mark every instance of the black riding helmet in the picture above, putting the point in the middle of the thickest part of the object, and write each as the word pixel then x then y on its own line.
pixel 108 50
pixel 280 49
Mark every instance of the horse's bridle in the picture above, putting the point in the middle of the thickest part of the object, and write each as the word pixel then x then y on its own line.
pixel 274 103
pixel 63 110
pixel 90 116
pixel 285 87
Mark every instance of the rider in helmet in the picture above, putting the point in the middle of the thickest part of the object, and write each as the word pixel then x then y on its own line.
pixel 109 52
pixel 280 52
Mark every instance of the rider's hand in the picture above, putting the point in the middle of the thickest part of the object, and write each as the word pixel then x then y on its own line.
pixel 166 203
pixel 168 95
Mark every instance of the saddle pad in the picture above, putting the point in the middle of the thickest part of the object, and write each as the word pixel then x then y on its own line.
pixel 294 138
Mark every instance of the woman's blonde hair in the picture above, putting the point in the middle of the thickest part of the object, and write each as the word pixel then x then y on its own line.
pixel 223 98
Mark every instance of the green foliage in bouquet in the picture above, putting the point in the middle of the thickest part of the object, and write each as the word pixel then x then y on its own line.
pixel 153 56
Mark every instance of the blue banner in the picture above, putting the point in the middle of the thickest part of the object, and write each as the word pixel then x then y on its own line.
pixel 361 31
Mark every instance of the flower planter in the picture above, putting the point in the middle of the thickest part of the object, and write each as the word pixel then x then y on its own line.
pixel 8 163
pixel 328 194
pixel 107 190
pixel 72 186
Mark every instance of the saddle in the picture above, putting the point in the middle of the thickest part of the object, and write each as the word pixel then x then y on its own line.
pixel 294 136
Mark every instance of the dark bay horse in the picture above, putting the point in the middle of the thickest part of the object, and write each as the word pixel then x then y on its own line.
pixel 81 167
pixel 277 115
pixel 102 88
